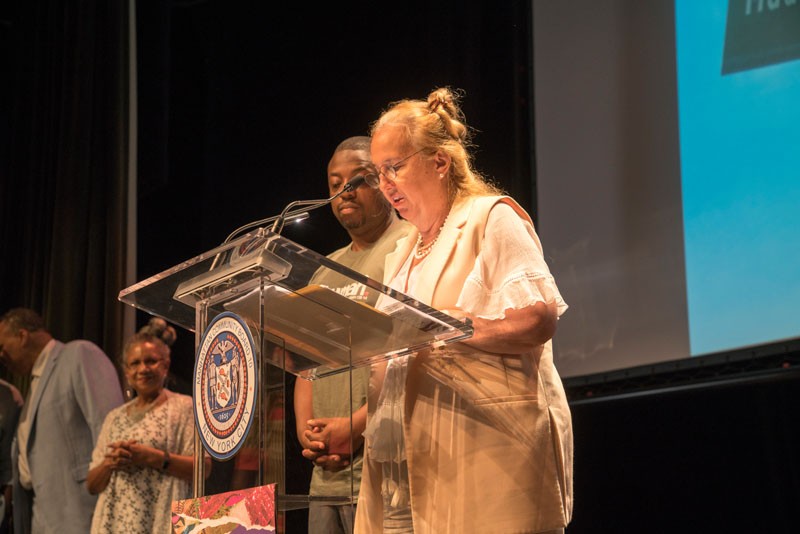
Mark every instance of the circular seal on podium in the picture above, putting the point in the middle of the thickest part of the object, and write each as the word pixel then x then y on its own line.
pixel 225 385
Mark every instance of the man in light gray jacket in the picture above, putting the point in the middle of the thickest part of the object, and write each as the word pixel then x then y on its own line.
pixel 73 387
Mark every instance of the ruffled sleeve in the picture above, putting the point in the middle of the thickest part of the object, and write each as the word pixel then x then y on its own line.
pixel 510 271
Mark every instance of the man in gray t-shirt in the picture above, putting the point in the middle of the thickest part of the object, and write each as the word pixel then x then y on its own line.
pixel 323 407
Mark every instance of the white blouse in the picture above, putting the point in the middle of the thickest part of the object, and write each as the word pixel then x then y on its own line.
pixel 510 271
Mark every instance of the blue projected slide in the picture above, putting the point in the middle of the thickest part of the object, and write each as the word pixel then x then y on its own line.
pixel 739 118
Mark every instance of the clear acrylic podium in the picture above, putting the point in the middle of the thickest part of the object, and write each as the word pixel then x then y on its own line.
pixel 302 329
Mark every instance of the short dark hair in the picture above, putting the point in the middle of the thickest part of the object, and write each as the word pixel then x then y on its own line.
pixel 358 142
pixel 23 319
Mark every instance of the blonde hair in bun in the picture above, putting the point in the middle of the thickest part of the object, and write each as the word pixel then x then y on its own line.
pixel 438 124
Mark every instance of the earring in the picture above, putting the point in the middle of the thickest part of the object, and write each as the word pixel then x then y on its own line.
pixel 441 175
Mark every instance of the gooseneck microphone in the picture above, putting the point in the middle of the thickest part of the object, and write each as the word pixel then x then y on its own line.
pixel 298 215
pixel 286 216
pixel 308 205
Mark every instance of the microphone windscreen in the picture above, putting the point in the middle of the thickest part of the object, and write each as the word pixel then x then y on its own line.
pixel 355 182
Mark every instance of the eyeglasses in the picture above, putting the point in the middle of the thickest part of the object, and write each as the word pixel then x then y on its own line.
pixel 147 362
pixel 389 172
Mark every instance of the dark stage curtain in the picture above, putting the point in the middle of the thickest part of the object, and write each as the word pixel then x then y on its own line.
pixel 64 165
pixel 243 102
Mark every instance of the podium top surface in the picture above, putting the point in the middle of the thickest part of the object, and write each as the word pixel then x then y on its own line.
pixel 265 278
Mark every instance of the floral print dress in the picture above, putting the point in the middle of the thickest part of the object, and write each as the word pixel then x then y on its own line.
pixel 140 500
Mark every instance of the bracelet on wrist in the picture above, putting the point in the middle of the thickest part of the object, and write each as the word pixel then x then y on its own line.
pixel 165 463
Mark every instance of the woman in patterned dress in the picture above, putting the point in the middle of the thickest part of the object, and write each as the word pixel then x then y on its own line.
pixel 143 459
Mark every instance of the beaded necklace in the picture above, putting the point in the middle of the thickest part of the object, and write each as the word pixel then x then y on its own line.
pixel 423 250
pixel 136 410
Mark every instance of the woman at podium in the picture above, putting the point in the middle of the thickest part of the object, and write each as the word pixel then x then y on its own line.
pixel 143 459
pixel 475 436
